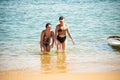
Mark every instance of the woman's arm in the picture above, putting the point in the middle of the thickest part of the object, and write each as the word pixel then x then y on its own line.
pixel 69 34
pixel 53 37
pixel 41 40
pixel 56 31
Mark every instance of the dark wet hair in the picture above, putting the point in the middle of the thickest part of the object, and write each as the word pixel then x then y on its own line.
pixel 61 18
pixel 47 24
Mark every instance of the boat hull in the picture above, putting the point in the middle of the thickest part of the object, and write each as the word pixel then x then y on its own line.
pixel 114 40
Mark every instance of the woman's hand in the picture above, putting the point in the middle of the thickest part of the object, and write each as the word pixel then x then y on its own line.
pixel 73 42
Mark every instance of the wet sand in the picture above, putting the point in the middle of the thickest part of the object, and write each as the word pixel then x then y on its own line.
pixel 36 75
pixel 56 68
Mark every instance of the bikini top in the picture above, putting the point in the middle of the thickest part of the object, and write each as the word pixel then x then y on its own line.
pixel 61 31
pixel 46 38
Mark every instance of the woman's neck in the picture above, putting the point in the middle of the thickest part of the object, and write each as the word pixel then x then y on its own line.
pixel 62 25
pixel 47 30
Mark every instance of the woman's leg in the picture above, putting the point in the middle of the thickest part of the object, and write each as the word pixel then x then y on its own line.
pixel 44 48
pixel 64 45
pixel 41 47
pixel 48 48
pixel 58 45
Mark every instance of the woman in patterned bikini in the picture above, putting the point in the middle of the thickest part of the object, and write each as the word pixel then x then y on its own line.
pixel 46 35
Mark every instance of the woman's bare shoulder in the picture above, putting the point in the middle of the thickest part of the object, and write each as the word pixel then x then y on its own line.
pixel 66 25
pixel 58 25
pixel 43 31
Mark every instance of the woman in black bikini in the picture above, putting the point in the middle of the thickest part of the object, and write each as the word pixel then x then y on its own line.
pixel 46 36
pixel 60 35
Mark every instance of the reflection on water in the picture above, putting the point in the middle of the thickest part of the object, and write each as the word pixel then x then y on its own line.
pixel 53 64
pixel 61 62
pixel 45 62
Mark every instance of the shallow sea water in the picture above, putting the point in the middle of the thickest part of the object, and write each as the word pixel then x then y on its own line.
pixel 90 22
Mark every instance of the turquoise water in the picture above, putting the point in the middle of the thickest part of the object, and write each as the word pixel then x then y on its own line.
pixel 90 22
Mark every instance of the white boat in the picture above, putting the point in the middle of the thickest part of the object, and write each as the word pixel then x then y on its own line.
pixel 114 40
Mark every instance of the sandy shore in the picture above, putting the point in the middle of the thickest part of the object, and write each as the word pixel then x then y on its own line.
pixel 35 75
